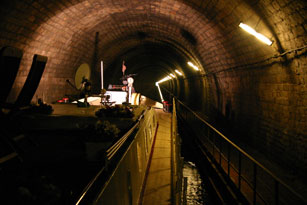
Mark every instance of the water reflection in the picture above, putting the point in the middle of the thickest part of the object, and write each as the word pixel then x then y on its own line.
pixel 196 192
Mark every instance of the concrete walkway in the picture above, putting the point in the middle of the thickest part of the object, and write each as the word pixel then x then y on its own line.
pixel 158 183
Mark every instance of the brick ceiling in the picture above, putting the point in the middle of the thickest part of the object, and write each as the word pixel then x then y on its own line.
pixel 154 37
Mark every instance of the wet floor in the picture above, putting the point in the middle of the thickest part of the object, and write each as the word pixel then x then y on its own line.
pixel 196 191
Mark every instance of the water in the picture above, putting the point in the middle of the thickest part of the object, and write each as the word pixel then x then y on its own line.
pixel 196 192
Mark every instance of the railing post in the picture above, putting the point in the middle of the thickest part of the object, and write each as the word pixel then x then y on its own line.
pixel 255 184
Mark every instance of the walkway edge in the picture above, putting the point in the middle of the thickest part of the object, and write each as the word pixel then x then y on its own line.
pixel 148 167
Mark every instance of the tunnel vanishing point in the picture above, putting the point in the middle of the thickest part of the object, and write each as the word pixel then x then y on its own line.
pixel 255 92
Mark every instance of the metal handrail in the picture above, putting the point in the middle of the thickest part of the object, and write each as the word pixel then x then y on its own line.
pixel 113 150
pixel 176 161
pixel 278 180
pixel 89 185
pixel 116 146
pixel 110 153
pixel 254 161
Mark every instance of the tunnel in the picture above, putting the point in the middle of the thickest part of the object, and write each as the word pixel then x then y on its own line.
pixel 254 93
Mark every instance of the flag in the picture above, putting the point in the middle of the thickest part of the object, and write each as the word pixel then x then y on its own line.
pixel 123 67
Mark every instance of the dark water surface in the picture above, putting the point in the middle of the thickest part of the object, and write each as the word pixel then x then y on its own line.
pixel 196 191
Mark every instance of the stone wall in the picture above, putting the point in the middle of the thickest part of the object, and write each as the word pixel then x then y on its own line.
pixel 261 98
pixel 254 90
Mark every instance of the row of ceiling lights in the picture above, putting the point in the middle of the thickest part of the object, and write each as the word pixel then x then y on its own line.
pixel 171 75
pixel 245 27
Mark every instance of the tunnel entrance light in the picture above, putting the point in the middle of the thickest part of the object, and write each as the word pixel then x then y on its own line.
pixel 193 66
pixel 259 36
pixel 178 72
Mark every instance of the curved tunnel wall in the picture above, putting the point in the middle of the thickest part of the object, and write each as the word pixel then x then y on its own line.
pixel 257 91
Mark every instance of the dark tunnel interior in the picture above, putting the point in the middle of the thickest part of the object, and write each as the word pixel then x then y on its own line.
pixel 256 92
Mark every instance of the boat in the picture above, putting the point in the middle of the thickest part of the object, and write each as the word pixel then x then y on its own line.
pixel 77 151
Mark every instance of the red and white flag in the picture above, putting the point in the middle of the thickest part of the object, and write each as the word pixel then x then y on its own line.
pixel 123 67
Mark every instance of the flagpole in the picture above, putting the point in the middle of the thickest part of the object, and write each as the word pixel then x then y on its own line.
pixel 101 75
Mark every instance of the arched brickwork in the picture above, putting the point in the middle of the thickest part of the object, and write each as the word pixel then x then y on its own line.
pixel 258 90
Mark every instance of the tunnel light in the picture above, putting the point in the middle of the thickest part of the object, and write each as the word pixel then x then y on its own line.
pixel 193 66
pixel 178 72
pixel 173 75
pixel 168 77
pixel 259 36
pixel 164 79
pixel 157 84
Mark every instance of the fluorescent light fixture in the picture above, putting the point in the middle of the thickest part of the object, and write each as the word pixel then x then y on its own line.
pixel 178 72
pixel 157 84
pixel 193 66
pixel 164 79
pixel 173 75
pixel 259 36
pixel 168 77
